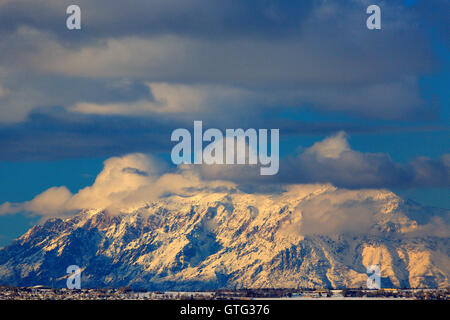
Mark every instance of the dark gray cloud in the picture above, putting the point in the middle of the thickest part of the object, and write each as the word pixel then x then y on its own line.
pixel 287 53
pixel 59 135
pixel 105 18
pixel 55 133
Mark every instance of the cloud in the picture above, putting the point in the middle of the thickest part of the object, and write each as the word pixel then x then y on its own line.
pixel 134 180
pixel 3 92
pixel 8 207
pixel 178 99
pixel 172 98
pixel 332 160
pixel 124 182
pixel 400 99
pixel 338 211
pixel 331 147
pixel 136 72
pixel 49 202
pixel 366 211
pixel 55 133
pixel 275 51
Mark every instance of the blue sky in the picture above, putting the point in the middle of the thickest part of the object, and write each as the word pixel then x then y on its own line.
pixel 69 100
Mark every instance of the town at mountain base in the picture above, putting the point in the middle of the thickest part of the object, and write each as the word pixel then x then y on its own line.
pixel 307 236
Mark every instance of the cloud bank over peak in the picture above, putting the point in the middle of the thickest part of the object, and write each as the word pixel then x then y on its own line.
pixel 131 182
pixel 134 179
pixel 124 182
pixel 332 160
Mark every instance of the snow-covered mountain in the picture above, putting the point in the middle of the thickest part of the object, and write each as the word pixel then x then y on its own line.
pixel 306 236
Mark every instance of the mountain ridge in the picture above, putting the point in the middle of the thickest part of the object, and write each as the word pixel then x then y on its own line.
pixel 306 236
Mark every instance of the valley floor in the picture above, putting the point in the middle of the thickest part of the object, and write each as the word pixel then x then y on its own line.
pixel 44 293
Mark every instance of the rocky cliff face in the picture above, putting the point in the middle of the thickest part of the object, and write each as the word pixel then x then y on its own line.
pixel 308 236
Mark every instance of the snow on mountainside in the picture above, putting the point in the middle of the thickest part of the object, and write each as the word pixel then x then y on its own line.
pixel 307 236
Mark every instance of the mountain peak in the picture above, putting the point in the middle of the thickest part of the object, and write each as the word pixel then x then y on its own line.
pixel 305 236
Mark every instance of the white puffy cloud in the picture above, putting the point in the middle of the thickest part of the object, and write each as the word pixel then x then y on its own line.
pixel 50 202
pixel 330 147
pixel 124 182
pixel 120 177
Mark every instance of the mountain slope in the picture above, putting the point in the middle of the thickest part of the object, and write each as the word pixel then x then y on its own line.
pixel 308 236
